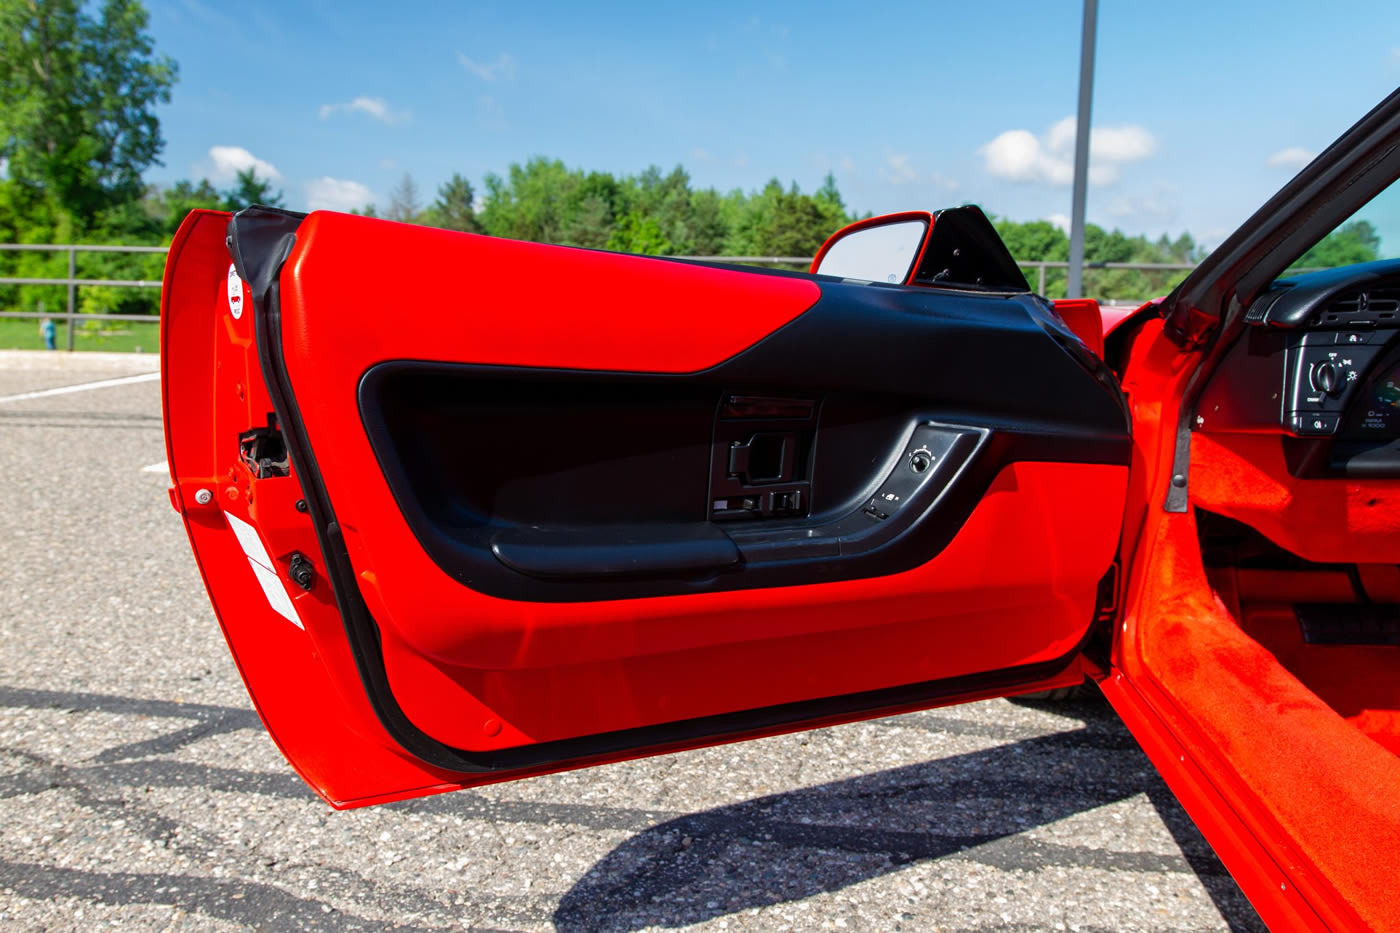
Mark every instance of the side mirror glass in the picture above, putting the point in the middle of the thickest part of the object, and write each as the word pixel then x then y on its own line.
pixel 874 252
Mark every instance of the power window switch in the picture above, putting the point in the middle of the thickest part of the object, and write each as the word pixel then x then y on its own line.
pixel 877 510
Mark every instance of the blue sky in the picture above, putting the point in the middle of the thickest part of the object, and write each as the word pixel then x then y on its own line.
pixel 1201 109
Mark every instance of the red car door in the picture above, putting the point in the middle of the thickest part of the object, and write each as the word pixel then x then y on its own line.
pixel 471 509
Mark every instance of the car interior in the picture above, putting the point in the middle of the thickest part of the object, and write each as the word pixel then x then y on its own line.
pixel 1299 450
pixel 1272 614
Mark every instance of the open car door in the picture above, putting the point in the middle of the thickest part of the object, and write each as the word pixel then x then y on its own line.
pixel 1256 656
pixel 471 509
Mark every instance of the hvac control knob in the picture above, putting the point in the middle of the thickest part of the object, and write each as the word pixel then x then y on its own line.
pixel 1325 377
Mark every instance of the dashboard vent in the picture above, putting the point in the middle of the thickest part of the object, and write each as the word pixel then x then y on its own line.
pixel 1362 306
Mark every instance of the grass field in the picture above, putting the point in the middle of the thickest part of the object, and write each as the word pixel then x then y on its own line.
pixel 112 336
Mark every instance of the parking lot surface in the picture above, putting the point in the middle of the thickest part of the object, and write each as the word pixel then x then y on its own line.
pixel 138 789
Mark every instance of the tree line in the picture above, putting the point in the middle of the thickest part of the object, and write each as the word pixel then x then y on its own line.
pixel 79 83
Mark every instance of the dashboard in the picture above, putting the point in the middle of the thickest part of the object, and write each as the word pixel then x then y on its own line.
pixel 1319 364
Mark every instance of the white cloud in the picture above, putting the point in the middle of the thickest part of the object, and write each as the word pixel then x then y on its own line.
pixel 1292 157
pixel 1019 155
pixel 1126 143
pixel 336 194
pixel 700 155
pixel 230 160
pixel 502 67
pixel 1060 220
pixel 376 107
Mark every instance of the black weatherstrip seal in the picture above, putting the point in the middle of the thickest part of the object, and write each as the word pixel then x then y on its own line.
pixel 260 240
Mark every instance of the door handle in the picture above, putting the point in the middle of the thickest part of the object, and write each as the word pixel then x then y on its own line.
pixel 615 550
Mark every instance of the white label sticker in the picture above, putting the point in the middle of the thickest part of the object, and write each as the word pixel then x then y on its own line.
pixel 276 594
pixel 267 577
pixel 235 292
pixel 248 539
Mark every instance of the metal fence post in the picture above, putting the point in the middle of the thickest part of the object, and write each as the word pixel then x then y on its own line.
pixel 72 293
pixel 1040 287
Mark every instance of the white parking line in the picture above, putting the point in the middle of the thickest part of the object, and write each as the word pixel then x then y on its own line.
pixel 162 467
pixel 81 387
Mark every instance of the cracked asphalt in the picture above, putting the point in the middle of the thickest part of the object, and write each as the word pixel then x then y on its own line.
pixel 139 791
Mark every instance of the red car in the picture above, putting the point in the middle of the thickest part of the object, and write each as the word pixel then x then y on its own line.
pixel 472 509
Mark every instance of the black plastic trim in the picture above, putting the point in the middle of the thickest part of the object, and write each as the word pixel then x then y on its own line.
pixel 1292 302
pixel 964 250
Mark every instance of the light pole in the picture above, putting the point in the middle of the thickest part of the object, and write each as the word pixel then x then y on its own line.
pixel 1075 286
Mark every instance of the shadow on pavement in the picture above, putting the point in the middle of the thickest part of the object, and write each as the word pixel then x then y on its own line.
pixel 976 806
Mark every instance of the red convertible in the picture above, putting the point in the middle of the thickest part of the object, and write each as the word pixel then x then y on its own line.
pixel 472 509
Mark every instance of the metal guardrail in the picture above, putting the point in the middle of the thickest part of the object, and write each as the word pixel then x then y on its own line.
pixel 1039 265
pixel 73 282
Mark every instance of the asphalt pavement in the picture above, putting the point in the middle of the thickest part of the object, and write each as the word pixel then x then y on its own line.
pixel 138 789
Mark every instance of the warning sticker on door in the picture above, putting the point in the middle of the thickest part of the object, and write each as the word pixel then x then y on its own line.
pixel 235 292
pixel 263 570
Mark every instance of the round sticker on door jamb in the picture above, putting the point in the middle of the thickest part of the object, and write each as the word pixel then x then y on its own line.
pixel 235 292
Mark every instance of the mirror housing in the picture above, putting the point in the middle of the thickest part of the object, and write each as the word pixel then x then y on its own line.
pixel 953 248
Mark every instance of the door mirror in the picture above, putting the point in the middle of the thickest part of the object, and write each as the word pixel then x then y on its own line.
pixel 882 249
pixel 957 247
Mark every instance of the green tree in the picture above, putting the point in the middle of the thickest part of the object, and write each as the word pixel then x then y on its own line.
pixel 248 190
pixel 707 229
pixel 78 88
pixel 591 225
pixel 1356 241
pixel 455 207
pixel 796 226
pixel 529 203
pixel 666 199
pixel 656 212
pixel 781 222
pixel 1041 241
pixel 636 233
pixel 829 195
